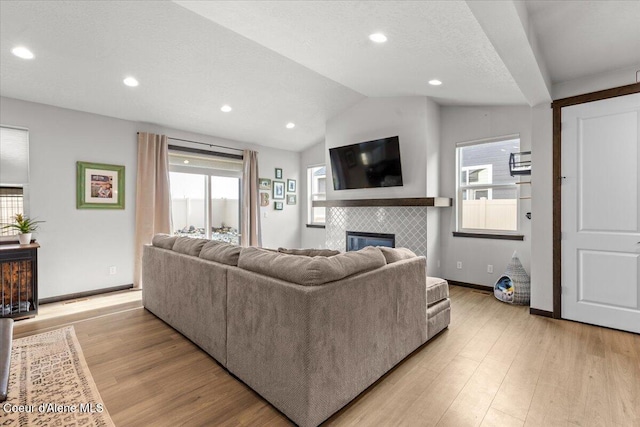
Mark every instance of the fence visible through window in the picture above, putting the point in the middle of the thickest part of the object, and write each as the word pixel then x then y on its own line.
pixel 487 192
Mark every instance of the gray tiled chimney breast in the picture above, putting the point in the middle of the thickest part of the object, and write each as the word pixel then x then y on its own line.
pixel 408 223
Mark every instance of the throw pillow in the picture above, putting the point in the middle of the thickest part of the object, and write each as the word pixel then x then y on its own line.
pixel 396 254
pixel 189 246
pixel 224 253
pixel 163 241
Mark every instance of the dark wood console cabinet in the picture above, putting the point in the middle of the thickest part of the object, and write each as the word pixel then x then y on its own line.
pixel 19 280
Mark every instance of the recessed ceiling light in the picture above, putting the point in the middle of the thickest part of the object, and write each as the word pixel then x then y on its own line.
pixel 378 38
pixel 291 125
pixel 22 52
pixel 435 82
pixel 131 82
pixel 225 108
pixel 186 162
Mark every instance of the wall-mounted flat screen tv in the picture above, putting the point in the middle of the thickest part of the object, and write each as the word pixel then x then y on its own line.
pixel 368 164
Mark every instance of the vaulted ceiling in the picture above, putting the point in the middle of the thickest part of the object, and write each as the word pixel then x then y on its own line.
pixel 276 62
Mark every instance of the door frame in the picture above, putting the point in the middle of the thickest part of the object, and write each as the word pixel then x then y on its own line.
pixel 557 106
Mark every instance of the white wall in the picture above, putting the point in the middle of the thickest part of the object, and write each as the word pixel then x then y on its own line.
pixel 542 208
pixel 432 165
pixel 593 83
pixel 78 246
pixel 280 228
pixel 310 237
pixel 459 124
pixel 375 118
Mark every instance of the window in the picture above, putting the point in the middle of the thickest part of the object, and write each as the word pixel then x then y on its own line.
pixel 11 203
pixel 14 176
pixel 487 197
pixel 316 190
pixel 205 196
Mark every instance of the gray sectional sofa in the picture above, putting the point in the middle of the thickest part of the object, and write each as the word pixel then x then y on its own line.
pixel 308 333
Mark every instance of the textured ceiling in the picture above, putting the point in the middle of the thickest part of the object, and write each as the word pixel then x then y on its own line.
pixel 300 61
pixel 582 38
pixel 426 40
pixel 188 67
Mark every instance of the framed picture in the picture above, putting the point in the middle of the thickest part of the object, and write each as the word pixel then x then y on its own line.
pixel 278 190
pixel 264 199
pixel 278 206
pixel 264 184
pixel 99 186
pixel 278 173
pixel 291 199
pixel 291 185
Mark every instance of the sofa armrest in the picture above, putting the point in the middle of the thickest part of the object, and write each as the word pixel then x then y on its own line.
pixel 311 350
pixel 6 336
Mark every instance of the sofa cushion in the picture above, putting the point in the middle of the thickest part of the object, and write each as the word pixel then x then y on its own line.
pixel 189 246
pixel 224 253
pixel 437 290
pixel 164 241
pixel 6 335
pixel 309 252
pixel 310 271
pixel 396 254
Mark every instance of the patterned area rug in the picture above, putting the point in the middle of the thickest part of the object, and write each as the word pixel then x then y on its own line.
pixel 50 384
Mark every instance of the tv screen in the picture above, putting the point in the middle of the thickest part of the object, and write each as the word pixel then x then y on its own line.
pixel 368 164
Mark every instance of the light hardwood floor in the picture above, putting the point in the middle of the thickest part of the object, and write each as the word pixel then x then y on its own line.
pixel 496 365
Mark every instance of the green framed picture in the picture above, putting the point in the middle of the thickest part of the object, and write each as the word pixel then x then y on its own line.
pixel 278 206
pixel 264 184
pixel 278 190
pixel 99 186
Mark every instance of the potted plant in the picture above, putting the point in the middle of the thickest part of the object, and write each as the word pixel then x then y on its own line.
pixel 25 226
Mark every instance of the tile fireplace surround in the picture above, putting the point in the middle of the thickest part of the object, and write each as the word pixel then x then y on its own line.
pixel 408 223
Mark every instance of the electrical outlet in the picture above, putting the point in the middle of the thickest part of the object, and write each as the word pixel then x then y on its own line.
pixel 459 265
pixel 490 268
pixel 113 270
pixel 265 214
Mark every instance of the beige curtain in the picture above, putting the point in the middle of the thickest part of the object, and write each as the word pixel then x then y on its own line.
pixel 153 200
pixel 251 234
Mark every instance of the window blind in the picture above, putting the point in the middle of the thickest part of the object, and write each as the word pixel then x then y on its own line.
pixel 14 156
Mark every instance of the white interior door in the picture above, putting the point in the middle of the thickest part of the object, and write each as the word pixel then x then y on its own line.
pixel 600 213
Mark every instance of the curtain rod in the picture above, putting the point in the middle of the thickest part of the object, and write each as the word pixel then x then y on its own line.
pixel 202 143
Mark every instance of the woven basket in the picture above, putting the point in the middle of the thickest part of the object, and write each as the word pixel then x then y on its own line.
pixel 514 286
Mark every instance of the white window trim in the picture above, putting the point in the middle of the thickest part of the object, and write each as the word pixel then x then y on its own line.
pixel 310 196
pixel 460 188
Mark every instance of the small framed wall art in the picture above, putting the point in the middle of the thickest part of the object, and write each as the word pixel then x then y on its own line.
pixel 99 186
pixel 278 190
pixel 291 186
pixel 264 184
pixel 278 173
pixel 278 206
pixel 291 199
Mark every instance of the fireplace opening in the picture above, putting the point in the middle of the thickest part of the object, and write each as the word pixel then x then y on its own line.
pixel 357 240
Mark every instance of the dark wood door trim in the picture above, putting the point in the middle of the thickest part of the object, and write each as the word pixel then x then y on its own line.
pixel 557 106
